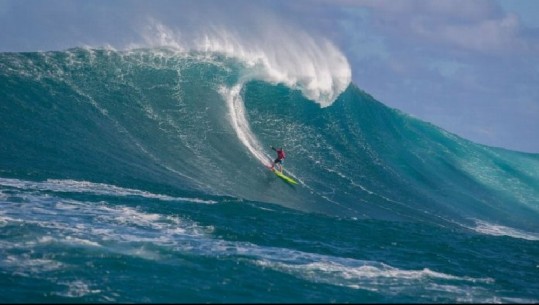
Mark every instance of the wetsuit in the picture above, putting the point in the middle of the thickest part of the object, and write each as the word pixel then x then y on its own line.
pixel 280 155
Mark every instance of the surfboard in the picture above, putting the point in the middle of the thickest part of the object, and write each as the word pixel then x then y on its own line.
pixel 282 176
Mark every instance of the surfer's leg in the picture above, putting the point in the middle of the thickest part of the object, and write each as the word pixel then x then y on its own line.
pixel 275 163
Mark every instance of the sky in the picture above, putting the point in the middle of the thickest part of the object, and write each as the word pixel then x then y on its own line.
pixel 470 67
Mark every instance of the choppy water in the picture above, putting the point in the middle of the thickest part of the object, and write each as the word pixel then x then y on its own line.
pixel 138 177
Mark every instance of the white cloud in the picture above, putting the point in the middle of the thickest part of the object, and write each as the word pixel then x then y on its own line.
pixel 480 26
pixel 487 35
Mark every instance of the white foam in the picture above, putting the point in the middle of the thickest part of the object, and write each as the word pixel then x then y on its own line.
pixel 381 278
pixel 25 265
pixel 74 224
pixel 74 186
pixel 77 289
pixel 239 122
pixel 292 57
pixel 499 230
pixel 131 231
pixel 346 272
pixel 81 241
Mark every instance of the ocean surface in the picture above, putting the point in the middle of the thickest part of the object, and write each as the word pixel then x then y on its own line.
pixel 138 176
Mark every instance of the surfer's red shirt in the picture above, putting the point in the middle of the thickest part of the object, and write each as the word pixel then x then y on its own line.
pixel 280 154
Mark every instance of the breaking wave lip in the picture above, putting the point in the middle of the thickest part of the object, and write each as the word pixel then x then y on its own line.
pixel 315 66
pixel 74 186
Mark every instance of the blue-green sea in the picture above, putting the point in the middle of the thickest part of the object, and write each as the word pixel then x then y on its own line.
pixel 138 177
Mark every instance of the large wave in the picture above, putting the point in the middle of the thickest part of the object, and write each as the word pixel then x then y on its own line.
pixel 153 155
pixel 168 121
pixel 294 58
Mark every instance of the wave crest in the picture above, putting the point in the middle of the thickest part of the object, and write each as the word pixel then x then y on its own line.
pixel 275 54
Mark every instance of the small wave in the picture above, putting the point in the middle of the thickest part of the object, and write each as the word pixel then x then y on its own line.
pixel 74 186
pixel 77 289
pixel 499 230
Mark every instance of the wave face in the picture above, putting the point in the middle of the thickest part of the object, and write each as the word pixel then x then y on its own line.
pixel 150 164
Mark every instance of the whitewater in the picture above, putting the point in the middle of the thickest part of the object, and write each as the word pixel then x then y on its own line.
pixel 138 175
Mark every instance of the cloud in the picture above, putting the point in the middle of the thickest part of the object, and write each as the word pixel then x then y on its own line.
pixel 477 26
pixel 487 35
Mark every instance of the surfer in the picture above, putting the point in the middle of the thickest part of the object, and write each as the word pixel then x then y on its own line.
pixel 280 156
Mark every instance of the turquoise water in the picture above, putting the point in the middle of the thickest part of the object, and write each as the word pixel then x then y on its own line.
pixel 138 177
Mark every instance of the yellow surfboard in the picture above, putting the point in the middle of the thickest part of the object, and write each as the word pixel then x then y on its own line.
pixel 284 177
